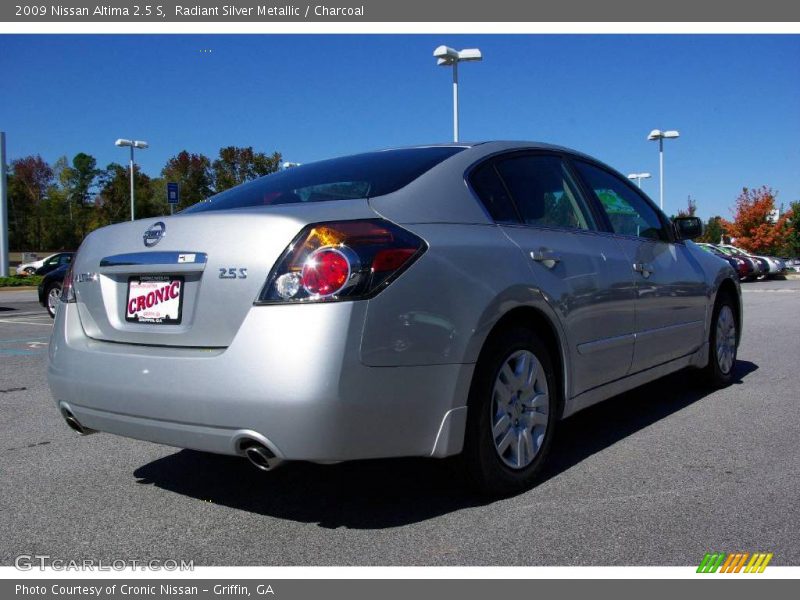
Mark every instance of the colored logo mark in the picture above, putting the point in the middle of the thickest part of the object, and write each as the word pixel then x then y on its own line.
pixel 734 563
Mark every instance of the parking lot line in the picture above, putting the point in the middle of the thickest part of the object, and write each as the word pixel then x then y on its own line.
pixel 17 322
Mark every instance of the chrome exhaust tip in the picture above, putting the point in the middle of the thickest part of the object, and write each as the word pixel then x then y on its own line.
pixel 261 457
pixel 75 425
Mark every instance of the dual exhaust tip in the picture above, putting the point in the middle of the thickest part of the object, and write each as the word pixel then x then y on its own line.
pixel 257 453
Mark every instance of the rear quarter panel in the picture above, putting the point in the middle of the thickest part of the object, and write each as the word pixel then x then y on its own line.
pixel 442 309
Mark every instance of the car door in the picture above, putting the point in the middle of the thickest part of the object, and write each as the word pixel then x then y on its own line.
pixel 585 277
pixel 671 291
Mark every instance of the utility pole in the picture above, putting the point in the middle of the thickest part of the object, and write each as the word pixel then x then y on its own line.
pixel 3 208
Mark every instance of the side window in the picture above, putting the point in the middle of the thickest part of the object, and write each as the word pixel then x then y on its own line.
pixel 65 259
pixel 493 194
pixel 544 192
pixel 628 212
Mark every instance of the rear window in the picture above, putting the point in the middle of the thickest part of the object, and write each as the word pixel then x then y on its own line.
pixel 358 176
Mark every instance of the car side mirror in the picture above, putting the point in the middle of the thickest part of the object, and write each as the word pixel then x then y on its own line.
pixel 688 228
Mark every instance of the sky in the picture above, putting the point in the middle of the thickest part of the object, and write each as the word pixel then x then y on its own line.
pixel 734 98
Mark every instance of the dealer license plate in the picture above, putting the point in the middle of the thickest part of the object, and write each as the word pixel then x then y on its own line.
pixel 156 299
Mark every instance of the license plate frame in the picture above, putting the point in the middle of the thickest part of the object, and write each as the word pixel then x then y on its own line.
pixel 161 311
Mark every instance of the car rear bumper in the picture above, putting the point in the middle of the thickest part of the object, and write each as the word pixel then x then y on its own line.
pixel 291 379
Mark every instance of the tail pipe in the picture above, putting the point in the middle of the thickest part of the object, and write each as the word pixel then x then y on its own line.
pixel 74 424
pixel 260 456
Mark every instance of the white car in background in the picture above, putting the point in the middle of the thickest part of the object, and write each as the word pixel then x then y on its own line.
pixel 29 268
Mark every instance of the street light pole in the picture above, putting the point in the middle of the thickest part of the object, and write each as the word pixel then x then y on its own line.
pixel 638 177
pixel 455 101
pixel 121 143
pixel 447 57
pixel 131 167
pixel 661 172
pixel 659 135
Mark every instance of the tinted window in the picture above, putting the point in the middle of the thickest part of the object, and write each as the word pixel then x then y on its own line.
pixel 543 192
pixel 629 213
pixel 358 176
pixel 490 189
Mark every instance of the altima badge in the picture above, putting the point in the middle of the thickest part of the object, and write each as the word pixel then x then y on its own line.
pixel 154 234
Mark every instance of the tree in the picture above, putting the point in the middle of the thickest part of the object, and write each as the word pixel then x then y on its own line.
pixel 792 245
pixel 114 200
pixel 30 179
pixel 713 231
pixel 192 172
pixel 752 226
pixel 690 210
pixel 237 165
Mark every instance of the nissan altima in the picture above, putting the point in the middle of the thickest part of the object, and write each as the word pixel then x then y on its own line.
pixel 427 301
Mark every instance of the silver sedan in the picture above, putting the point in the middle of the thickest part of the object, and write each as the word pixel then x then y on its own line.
pixel 427 301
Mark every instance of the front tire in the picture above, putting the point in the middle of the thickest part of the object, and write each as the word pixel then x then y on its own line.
pixel 512 413
pixel 722 343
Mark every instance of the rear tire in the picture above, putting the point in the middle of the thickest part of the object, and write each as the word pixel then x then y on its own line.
pixel 723 339
pixel 52 297
pixel 512 413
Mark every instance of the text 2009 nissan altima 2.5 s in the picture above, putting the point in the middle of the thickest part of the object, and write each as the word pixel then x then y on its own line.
pixel 426 301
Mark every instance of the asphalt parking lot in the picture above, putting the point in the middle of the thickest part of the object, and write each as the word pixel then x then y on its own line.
pixel 658 476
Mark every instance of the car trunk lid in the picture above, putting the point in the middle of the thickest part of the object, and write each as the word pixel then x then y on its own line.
pixel 192 277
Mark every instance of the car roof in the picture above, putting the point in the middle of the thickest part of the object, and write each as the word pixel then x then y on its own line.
pixel 455 203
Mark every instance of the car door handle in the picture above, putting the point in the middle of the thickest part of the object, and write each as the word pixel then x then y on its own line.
pixel 548 258
pixel 645 269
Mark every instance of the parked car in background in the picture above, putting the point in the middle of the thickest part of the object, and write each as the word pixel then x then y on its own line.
pixel 30 268
pixel 54 262
pixel 792 264
pixel 741 265
pixel 427 301
pixel 760 265
pixel 774 266
pixel 50 288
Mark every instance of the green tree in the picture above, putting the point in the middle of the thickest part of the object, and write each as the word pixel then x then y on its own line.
pixel 114 200
pixel 713 231
pixel 237 165
pixel 792 246
pixel 193 174
pixel 30 179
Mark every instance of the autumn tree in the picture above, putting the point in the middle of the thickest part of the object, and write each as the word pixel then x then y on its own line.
pixel 691 208
pixel 237 165
pixel 753 227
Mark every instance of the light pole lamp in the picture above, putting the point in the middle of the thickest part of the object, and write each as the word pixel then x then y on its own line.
pixel 659 135
pixel 448 57
pixel 638 177
pixel 121 143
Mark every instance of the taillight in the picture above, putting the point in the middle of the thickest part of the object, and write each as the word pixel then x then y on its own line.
pixel 342 260
pixel 67 291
